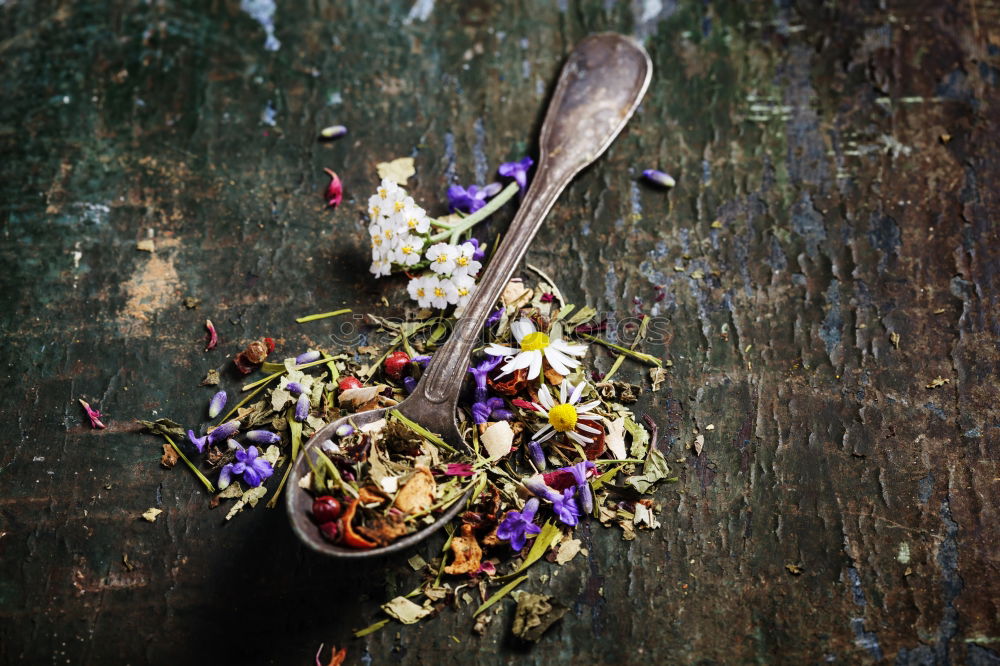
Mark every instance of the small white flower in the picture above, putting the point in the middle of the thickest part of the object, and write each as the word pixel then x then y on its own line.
pixel 565 416
pixel 442 257
pixel 377 209
pixel 407 250
pixel 534 346
pixel 442 290
pixel 464 286
pixel 379 248
pixel 380 267
pixel 464 263
pixel 400 203
pixel 388 191
pixel 413 219
pixel 420 291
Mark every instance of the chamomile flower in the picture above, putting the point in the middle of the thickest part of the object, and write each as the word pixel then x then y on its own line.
pixel 420 291
pixel 443 291
pixel 565 415
pixel 464 263
pixel 442 257
pixel 534 346
pixel 407 250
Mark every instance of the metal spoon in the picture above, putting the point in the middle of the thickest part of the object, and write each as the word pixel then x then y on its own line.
pixel 599 88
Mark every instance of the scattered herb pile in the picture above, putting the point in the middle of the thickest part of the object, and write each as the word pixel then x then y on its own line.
pixel 549 443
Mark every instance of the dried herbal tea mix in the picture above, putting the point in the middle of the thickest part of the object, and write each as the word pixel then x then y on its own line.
pixel 549 443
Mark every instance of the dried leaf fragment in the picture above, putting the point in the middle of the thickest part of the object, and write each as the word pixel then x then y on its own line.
pixel 567 551
pixel 170 456
pixel 657 376
pixel 468 554
pixel 535 614
pixel 938 381
pixel 146 245
pixel 615 439
pixel 405 610
pixel 417 493
pixel 699 444
pixel 398 170
pixel 151 514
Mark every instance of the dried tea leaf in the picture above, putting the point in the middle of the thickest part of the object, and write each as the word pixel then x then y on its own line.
pixel 233 491
pixel 640 438
pixel 170 456
pixel 699 444
pixel 657 376
pixel 938 381
pixel 405 610
pixel 497 439
pixel 151 514
pixel 164 427
pixel 567 551
pixel 211 379
pixel 515 294
pixel 615 439
pixel 417 563
pixel 398 170
pixel 355 398
pixel 468 554
pixel 535 614
pixel 146 245
pixel 250 497
pixel 644 516
pixel 417 494
pixel 383 531
pixel 653 470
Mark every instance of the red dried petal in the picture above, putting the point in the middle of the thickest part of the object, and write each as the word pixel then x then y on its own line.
pixel 334 191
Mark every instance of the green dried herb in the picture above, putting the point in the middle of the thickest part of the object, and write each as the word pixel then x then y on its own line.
pixel 504 591
pixel 322 315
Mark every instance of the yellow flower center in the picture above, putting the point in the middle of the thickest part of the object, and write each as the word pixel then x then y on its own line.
pixel 420 292
pixel 442 259
pixel 375 211
pixel 462 261
pixel 376 240
pixel 462 291
pixel 439 292
pixel 563 417
pixel 535 342
pixel 382 192
pixel 398 206
pixel 412 223
pixel 407 249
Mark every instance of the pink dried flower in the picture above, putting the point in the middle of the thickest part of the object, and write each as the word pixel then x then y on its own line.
pixel 458 469
pixel 93 415
pixel 548 297
pixel 213 335
pixel 334 191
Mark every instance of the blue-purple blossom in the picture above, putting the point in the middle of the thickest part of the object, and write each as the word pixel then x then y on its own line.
pixel 333 132
pixel 472 199
pixel 579 472
pixel 249 465
pixel 480 252
pixel 491 409
pixel 495 317
pixel 263 437
pixel 410 384
pixel 566 509
pixel 517 170
pixel 344 430
pixel 658 177
pixel 517 525
pixel 479 373
pixel 537 455
pixel 536 484
pixel 294 388
pixel 224 431
pixel 302 408
pixel 422 359
pixel 217 404
pixel 308 357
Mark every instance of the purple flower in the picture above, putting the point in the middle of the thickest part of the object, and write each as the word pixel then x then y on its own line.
pixel 249 465
pixel 263 437
pixel 536 484
pixel 422 359
pixel 197 442
pixel 537 455
pixel 480 252
pixel 491 409
pixel 566 509
pixel 294 388
pixel 660 178
pixel 472 199
pixel 519 524
pixel 308 357
pixel 517 170
pixel 224 431
pixel 344 430
pixel 410 384
pixel 479 373
pixel 302 408
pixel 217 404
pixel 579 472
pixel 495 317
pixel 333 132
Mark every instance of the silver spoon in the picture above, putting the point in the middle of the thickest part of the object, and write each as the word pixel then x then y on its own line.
pixel 599 88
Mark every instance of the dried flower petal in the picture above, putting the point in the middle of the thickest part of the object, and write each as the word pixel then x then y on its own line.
pixel 468 554
pixel 350 538
pixel 334 191
pixel 417 493
pixel 302 408
pixel 263 437
pixel 308 357
pixel 213 335
pixel 661 178
pixel 333 132
pixel 217 404
pixel 344 430
pixel 93 415
pixel 255 353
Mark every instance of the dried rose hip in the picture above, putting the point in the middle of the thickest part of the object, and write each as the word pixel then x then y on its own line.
pixel 395 364
pixel 330 531
pixel 349 382
pixel 256 352
pixel 325 509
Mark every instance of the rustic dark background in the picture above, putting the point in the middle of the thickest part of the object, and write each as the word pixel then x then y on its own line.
pixel 837 171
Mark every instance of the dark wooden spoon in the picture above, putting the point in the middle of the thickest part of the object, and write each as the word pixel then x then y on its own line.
pixel 599 89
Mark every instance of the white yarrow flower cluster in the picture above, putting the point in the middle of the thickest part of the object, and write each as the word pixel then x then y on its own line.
pixel 398 228
pixel 452 280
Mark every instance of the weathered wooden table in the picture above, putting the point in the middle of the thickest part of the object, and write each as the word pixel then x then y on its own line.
pixel 829 252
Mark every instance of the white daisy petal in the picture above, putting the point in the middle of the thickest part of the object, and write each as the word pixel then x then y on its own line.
pixel 587 406
pixel 536 364
pixel 545 397
pixel 493 349
pixel 558 364
pixel 578 438
pixel 541 431
pixel 567 348
pixel 545 437
pixel 586 428
pixel 562 389
pixel 521 328
pixel 577 392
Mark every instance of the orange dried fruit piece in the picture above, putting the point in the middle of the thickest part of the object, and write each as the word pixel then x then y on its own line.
pixel 417 494
pixel 468 554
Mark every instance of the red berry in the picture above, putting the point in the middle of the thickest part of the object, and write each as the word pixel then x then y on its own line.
pixel 349 383
pixel 395 363
pixel 325 509
pixel 330 531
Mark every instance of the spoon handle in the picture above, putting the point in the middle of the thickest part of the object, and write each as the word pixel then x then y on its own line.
pixel 599 88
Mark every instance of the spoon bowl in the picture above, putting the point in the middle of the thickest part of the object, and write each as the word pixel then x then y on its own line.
pixel 599 88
